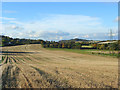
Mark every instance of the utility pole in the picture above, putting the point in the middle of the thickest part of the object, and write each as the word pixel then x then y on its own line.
pixel 111 38
pixel 111 35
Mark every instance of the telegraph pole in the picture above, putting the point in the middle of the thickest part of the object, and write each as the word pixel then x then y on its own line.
pixel 111 35
pixel 111 38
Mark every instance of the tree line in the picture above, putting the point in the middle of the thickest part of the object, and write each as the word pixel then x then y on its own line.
pixel 8 41
pixel 69 44
pixel 77 45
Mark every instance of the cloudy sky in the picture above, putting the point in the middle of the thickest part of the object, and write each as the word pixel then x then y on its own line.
pixel 60 20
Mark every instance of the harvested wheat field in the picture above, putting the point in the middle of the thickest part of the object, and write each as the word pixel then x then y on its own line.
pixel 31 66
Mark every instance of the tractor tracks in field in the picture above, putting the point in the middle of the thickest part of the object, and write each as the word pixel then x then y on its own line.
pixel 15 70
pixel 51 79
pixel 46 78
pixel 7 79
pixel 11 73
pixel 28 82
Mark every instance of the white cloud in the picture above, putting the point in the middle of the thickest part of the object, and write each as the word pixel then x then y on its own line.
pixel 15 22
pixel 46 35
pixel 85 36
pixel 113 34
pixel 61 38
pixel 94 34
pixel 13 26
pixel 69 23
pixel 8 11
pixel 117 19
pixel 57 27
pixel 6 18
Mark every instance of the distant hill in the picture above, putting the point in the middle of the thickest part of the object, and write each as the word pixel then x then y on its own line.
pixel 73 40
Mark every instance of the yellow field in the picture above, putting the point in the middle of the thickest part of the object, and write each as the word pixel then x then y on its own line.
pixel 31 66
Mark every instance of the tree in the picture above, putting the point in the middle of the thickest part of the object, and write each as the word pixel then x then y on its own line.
pixel 63 45
pixel 102 47
pixel 59 45
pixel 94 45
pixel 78 45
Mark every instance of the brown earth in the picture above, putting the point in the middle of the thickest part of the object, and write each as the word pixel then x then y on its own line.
pixel 31 66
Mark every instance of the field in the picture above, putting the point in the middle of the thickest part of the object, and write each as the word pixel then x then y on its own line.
pixel 31 66
pixel 107 53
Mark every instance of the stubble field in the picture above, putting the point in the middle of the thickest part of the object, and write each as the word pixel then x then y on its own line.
pixel 31 66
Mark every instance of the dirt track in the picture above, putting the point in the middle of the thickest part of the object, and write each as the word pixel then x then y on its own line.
pixel 30 66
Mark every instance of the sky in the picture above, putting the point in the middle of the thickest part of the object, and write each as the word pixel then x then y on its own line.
pixel 60 20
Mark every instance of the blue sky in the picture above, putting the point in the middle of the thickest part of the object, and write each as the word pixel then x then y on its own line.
pixel 60 20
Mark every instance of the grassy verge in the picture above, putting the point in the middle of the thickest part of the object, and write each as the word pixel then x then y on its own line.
pixel 86 51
